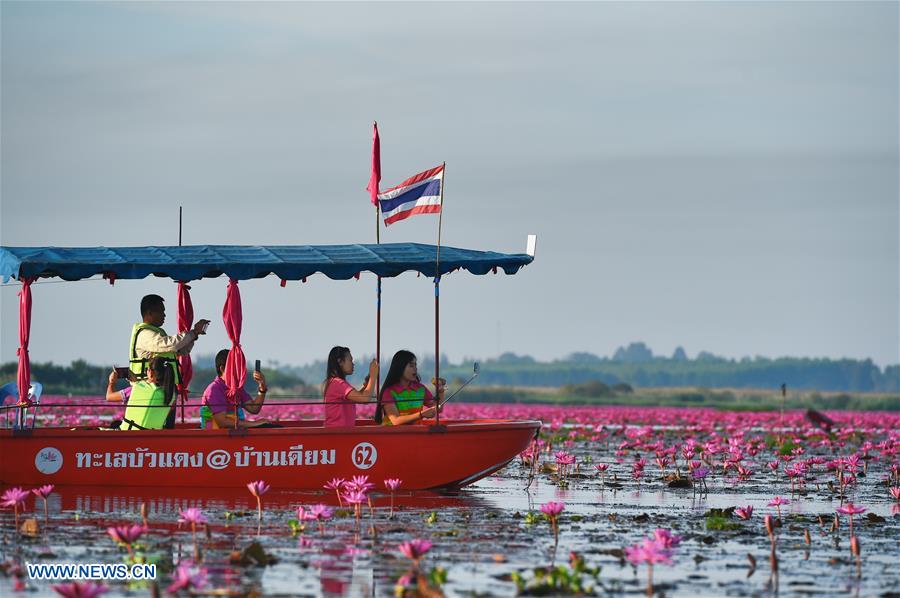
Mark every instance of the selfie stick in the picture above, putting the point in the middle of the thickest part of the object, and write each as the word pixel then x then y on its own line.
pixel 466 383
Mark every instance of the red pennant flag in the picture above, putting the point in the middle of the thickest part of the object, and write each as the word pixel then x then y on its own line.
pixel 372 188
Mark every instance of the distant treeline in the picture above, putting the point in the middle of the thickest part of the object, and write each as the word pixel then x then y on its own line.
pixel 634 366
pixel 82 378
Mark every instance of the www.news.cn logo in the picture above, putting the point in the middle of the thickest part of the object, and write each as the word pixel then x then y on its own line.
pixel 92 571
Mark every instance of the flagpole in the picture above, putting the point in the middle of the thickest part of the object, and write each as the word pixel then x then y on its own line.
pixel 376 178
pixel 437 306
pixel 378 311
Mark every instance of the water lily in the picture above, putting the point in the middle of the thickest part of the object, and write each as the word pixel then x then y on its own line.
pixel 80 590
pixel 415 549
pixel 551 511
pixel 43 492
pixel 193 516
pixel 744 513
pixel 777 502
pixel 392 484
pixel 355 498
pixel 126 534
pixel 651 551
pixel 851 509
pixel 257 489
pixel 666 539
pixel 895 492
pixel 187 578
pixel 337 484
pixel 13 498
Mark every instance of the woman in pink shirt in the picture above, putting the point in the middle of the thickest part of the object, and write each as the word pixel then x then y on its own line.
pixel 340 397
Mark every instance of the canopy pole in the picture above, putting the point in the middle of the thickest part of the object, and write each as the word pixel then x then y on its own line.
pixel 185 322
pixel 437 307
pixel 181 291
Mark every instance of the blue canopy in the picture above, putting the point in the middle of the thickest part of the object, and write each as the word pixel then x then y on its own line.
pixel 242 262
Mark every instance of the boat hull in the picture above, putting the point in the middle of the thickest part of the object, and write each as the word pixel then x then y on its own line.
pixel 301 455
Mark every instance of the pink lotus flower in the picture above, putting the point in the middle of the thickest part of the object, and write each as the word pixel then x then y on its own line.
pixel 43 491
pixel 126 534
pixel 257 489
pixel 13 497
pixel 185 578
pixel 601 467
pixel 666 539
pixel 392 484
pixel 415 549
pixel 193 516
pixel 80 590
pixel 552 509
pixel 337 484
pixel 777 502
pixel 895 492
pixel 355 498
pixel 649 551
pixel 744 513
pixel 361 483
pixel 320 512
pixel 851 510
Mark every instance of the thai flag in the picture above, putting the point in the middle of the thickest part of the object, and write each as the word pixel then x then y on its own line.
pixel 420 194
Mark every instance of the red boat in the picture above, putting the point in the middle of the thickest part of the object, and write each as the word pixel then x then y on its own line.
pixel 301 454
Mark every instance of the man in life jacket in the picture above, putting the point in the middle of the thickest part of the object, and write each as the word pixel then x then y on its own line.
pixel 149 340
pixel 151 399
pixel 218 411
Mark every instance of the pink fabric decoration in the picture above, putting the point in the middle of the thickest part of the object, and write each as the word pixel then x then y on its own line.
pixel 185 322
pixel 372 187
pixel 23 375
pixel 236 364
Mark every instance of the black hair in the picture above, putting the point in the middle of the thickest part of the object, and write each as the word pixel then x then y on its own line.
pixel 221 358
pixel 163 373
pixel 150 303
pixel 333 367
pixel 399 362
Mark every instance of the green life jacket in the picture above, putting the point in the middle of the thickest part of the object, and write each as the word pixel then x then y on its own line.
pixel 138 365
pixel 146 408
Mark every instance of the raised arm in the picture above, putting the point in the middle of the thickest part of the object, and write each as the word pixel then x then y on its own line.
pixel 367 391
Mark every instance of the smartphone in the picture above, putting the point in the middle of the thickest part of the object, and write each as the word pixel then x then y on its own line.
pixel 122 372
pixel 257 365
pixel 205 327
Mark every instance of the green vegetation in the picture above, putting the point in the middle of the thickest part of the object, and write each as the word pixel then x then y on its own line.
pixel 636 366
pixel 633 377
pixel 81 378
pixel 575 579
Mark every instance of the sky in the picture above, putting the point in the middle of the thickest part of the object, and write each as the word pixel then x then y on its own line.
pixel 717 176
